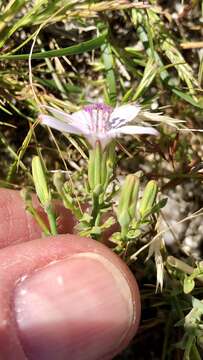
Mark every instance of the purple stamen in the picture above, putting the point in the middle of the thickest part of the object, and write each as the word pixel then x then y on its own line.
pixel 98 106
pixel 99 116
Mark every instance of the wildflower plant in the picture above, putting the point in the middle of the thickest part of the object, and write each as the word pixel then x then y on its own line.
pixel 126 209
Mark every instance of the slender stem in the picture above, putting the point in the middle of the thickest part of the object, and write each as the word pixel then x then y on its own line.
pixel 95 208
pixel 124 231
pixel 188 348
pixel 39 220
pixel 96 213
pixel 52 220
pixel 76 211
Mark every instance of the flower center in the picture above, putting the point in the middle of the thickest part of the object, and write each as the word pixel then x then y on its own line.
pixel 99 117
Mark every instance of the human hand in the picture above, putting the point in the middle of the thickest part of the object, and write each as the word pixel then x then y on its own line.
pixel 61 297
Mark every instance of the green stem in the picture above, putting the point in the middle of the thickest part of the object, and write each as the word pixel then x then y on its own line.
pixel 52 220
pixel 95 208
pixel 96 213
pixel 77 212
pixel 39 220
pixel 124 231
pixel 188 348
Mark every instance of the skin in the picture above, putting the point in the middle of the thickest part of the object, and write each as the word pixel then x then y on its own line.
pixel 62 297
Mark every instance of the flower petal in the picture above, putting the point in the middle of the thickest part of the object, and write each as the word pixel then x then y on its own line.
pixel 59 125
pixel 78 119
pixel 82 119
pixel 123 114
pixel 133 130
pixel 58 114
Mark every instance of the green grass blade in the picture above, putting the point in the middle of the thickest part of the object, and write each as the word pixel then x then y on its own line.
pixel 108 60
pixel 148 76
pixel 188 98
pixel 71 50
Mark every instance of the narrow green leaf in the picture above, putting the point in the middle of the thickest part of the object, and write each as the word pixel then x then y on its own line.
pixel 148 76
pixel 109 69
pixel 188 98
pixel 71 50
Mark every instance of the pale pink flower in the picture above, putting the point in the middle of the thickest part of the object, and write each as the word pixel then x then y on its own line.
pixel 97 122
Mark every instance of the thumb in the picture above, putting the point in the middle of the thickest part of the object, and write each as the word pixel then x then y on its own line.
pixel 74 300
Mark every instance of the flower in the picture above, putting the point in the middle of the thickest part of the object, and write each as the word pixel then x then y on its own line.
pixel 97 122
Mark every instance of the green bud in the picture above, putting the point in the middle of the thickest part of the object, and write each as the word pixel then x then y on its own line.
pixel 63 189
pixel 65 192
pixel 148 199
pixel 127 202
pixel 134 197
pixel 110 163
pixel 40 182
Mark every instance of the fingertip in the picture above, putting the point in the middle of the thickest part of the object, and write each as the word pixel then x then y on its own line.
pixel 76 299
pixel 85 297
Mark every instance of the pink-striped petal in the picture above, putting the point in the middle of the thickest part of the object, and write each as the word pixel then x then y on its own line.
pixel 78 119
pixel 58 114
pixel 135 130
pixel 123 115
pixel 82 119
pixel 59 125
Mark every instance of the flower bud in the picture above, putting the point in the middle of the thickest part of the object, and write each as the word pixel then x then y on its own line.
pixel 127 202
pixel 148 199
pixel 40 182
pixel 110 164
pixel 63 189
